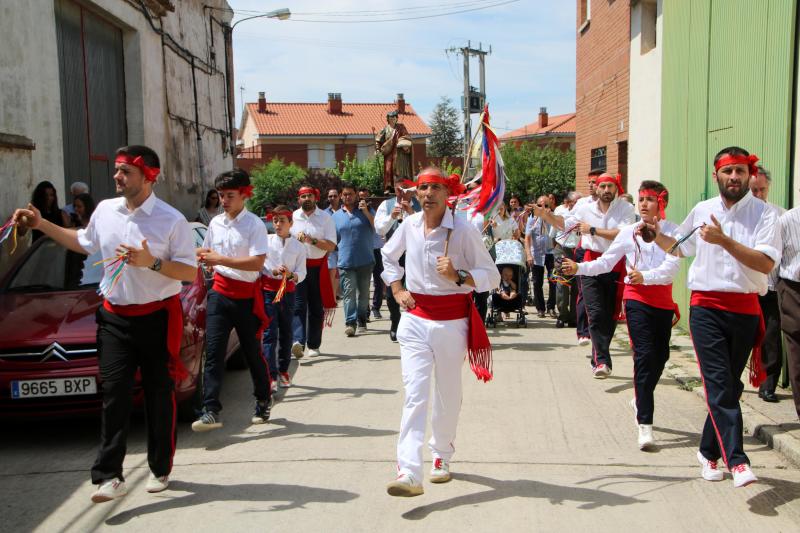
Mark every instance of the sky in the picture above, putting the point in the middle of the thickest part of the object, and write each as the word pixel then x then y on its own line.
pixel 532 63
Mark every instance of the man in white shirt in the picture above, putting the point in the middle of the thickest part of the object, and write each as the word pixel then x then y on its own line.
pixel 772 347
pixel 649 307
pixel 789 297
pixel 315 302
pixel 284 268
pixel 141 314
pixel 234 247
pixel 599 223
pixel 441 325
pixel 565 245
pixel 736 247
pixel 390 214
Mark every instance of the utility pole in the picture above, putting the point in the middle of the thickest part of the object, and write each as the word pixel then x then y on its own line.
pixel 473 99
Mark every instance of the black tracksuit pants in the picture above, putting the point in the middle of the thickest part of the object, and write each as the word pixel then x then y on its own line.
pixel 125 345
pixel 772 347
pixel 600 299
pixel 722 341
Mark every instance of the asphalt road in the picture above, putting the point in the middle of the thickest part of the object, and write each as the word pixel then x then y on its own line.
pixel 541 447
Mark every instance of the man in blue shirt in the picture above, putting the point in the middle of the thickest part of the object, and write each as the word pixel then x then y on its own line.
pixel 354 235
pixel 537 248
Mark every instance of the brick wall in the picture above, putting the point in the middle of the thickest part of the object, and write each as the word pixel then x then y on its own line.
pixel 602 80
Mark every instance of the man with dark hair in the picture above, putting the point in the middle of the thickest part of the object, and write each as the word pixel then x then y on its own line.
pixel 235 247
pixel 738 246
pixel 140 324
pixel 649 307
pixel 772 347
pixel 315 301
pixel 377 269
pixel 354 234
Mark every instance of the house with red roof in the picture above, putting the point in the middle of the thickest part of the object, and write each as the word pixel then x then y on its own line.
pixel 557 131
pixel 320 135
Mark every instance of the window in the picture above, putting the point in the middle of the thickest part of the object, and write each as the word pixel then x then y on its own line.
pixel 321 156
pixel 364 151
pixel 648 20
pixel 598 159
pixel 584 12
pixel 313 156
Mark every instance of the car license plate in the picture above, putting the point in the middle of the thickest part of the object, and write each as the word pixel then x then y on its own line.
pixel 38 388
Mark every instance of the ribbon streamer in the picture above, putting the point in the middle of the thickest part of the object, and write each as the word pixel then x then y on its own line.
pixel 281 289
pixel 9 229
pixel 682 240
pixel 113 272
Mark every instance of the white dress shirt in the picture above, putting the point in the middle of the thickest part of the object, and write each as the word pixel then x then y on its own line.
pixel 318 225
pixel 749 222
pixel 168 237
pixel 620 213
pixel 466 250
pixel 288 252
pixel 657 266
pixel 243 236
pixel 790 236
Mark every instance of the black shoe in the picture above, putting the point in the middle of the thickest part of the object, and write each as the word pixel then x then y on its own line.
pixel 262 412
pixel 559 323
pixel 768 396
pixel 393 336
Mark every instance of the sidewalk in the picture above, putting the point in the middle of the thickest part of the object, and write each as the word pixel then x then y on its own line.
pixel 774 424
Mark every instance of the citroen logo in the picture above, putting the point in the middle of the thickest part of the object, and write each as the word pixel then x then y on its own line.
pixel 54 350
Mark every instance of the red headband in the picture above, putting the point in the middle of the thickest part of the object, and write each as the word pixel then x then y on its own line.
pixel 246 191
pixel 452 182
pixel 286 213
pixel 308 190
pixel 608 178
pixel 150 173
pixel 661 197
pixel 728 159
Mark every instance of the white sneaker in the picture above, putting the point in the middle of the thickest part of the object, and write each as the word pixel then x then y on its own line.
pixel 297 350
pixel 404 485
pixel 710 471
pixel 584 341
pixel 440 472
pixel 312 352
pixel 157 484
pixel 601 371
pixel 742 475
pixel 646 439
pixel 109 490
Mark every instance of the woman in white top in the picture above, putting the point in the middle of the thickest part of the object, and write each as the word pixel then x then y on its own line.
pixel 503 225
pixel 210 208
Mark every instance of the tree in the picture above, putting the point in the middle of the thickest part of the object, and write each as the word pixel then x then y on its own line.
pixel 274 183
pixel 367 174
pixel 445 139
pixel 532 170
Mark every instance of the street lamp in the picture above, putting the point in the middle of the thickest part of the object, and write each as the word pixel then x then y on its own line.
pixel 280 14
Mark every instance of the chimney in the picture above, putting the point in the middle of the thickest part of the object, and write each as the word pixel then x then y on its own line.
pixel 401 103
pixel 262 103
pixel 335 103
pixel 542 117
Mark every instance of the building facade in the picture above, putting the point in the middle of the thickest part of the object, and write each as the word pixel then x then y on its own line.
pixel 556 131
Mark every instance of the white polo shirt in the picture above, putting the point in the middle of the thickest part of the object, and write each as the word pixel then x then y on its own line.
pixel 288 252
pixel 620 213
pixel 318 225
pixel 168 235
pixel 750 222
pixel 243 236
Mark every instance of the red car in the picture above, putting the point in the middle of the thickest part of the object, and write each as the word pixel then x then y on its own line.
pixel 48 345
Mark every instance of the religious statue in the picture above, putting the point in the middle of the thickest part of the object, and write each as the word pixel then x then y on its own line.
pixel 394 143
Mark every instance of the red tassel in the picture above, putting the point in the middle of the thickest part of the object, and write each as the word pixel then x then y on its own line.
pixel 480 361
pixel 757 374
pixel 327 317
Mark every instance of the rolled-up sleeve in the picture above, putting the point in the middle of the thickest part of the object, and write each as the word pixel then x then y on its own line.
pixel 87 237
pixel 383 219
pixel 300 264
pixel 689 247
pixel 768 239
pixel 182 244
pixel 391 253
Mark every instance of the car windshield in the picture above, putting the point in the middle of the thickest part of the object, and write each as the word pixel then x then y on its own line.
pixel 51 267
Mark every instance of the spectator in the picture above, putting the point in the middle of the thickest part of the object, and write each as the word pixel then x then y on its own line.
pixel 77 187
pixel 83 205
pixel 377 270
pixel 334 202
pixel 536 250
pixel 503 225
pixel 517 212
pixel 45 199
pixel 789 297
pixel 211 208
pixel 564 247
pixel 354 230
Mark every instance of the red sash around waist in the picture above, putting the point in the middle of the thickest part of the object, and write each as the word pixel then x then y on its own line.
pixel 325 288
pixel 658 296
pixel 745 304
pixel 453 307
pixel 177 370
pixel 274 284
pixel 243 290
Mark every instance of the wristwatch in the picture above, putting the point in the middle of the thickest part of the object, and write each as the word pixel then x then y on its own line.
pixel 314 241
pixel 462 277
pixel 156 266
pixel 592 231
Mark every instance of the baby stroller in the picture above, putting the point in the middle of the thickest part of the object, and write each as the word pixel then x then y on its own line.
pixel 510 253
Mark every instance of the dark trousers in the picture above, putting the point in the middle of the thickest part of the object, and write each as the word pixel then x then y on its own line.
pixel 549 263
pixel 391 303
pixel 723 342
pixel 566 293
pixel 600 297
pixel 771 348
pixel 225 314
pixel 125 345
pixel 580 307
pixel 650 329
pixel 481 300
pixel 538 285
pixel 276 343
pixel 789 298
pixel 377 282
pixel 308 313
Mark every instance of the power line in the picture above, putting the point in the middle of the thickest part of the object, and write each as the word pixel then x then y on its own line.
pixel 497 4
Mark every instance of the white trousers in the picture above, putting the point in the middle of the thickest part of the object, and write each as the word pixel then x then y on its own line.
pixel 425 344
